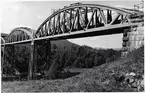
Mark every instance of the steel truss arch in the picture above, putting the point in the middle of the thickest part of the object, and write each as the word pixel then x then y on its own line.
pixel 20 34
pixel 75 17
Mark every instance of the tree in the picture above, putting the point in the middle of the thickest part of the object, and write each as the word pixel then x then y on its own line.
pixel 89 62
pixel 54 46
pixel 77 62
pixel 99 59
pixel 51 73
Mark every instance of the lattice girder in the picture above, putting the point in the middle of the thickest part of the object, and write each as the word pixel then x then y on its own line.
pixel 81 17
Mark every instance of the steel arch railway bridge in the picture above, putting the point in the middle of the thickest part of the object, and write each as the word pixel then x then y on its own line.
pixel 74 21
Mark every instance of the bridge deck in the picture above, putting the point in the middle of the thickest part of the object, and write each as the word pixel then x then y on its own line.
pixel 114 29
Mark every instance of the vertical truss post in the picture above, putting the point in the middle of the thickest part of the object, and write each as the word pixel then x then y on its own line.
pixel 46 29
pixel 96 18
pixel 58 28
pixel 49 27
pixel 64 20
pixel 70 18
pixel 86 17
pixel 42 31
pixel 93 18
pixel 54 25
pixel 78 19
pixel 109 16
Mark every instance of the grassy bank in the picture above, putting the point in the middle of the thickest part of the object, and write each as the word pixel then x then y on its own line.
pixel 101 78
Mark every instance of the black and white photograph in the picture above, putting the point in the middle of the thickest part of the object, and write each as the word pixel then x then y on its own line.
pixel 72 46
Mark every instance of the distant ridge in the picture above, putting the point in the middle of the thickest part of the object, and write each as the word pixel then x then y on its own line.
pixel 4 35
pixel 98 48
pixel 63 43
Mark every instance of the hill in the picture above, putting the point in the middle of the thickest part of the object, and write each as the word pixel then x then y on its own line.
pixel 63 43
pixel 107 77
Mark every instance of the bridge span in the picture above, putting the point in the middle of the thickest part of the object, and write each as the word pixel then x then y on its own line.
pixel 74 21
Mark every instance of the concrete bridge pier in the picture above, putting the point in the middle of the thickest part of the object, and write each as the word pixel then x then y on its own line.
pixel 31 61
pixel 133 38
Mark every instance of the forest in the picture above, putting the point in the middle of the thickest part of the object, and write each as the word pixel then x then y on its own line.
pixel 64 53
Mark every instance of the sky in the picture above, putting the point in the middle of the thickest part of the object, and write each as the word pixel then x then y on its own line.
pixel 33 13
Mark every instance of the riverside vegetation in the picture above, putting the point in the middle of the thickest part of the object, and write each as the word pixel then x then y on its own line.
pixel 107 72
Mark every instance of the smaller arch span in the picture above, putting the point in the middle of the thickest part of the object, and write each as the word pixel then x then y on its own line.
pixel 2 40
pixel 20 34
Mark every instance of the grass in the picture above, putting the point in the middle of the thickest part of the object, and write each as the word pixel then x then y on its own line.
pixel 97 79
